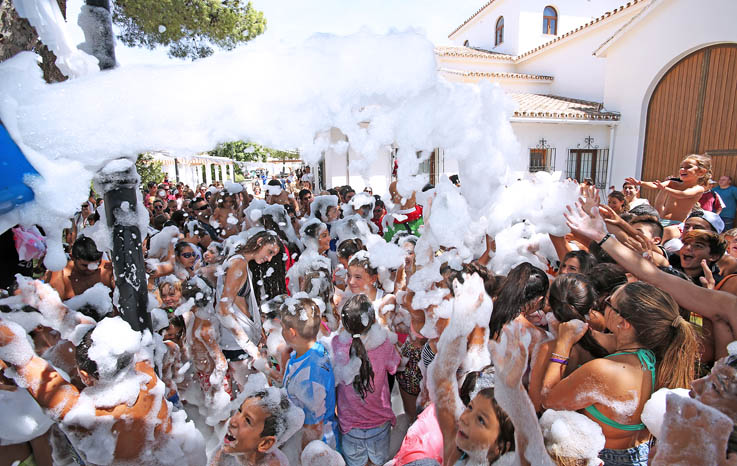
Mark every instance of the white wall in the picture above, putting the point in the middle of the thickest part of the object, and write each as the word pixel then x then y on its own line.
pixel 570 16
pixel 560 136
pixel 578 73
pixel 482 29
pixel 633 71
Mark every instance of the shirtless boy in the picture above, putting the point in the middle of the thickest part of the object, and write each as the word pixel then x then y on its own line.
pixel 82 272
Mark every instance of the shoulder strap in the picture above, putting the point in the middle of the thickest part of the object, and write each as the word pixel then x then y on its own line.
pixel 724 280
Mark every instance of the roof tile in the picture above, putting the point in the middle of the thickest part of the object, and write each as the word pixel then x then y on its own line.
pixel 557 107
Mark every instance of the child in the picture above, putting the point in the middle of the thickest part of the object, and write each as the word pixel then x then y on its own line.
pixel 260 425
pixel 364 402
pixel 308 377
pixel 170 293
pixel 675 199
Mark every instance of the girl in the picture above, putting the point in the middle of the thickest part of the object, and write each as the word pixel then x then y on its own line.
pixel 653 347
pixel 576 262
pixel 363 356
pixel 212 258
pixel 237 304
pixel 522 298
pixel 676 198
pixel 346 250
pixel 571 297
pixel 170 293
pixel 617 202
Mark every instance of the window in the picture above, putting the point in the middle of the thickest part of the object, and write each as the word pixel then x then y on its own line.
pixel 499 37
pixel 542 159
pixel 550 21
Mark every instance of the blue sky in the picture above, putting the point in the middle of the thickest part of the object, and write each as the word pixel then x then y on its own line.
pixel 292 20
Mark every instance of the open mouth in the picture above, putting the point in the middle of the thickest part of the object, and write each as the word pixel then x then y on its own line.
pixel 229 439
pixel 462 434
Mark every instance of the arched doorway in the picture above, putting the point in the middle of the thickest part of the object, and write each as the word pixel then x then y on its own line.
pixel 693 109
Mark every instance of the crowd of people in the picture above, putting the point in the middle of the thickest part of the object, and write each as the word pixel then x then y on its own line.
pixel 298 326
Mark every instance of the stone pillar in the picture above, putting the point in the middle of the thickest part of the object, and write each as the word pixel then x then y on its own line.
pixel 208 173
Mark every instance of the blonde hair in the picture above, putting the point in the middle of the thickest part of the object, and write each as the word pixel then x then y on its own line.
pixel 703 162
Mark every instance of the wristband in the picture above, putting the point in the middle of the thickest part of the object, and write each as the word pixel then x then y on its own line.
pixel 603 240
pixel 560 356
pixel 563 362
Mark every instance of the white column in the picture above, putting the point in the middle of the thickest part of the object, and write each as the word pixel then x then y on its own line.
pixel 219 172
pixel 198 174
pixel 208 173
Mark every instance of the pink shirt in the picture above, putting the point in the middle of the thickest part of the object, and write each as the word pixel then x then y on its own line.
pixel 376 408
pixel 423 440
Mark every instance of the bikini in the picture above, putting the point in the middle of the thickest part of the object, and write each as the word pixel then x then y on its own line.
pixel 647 361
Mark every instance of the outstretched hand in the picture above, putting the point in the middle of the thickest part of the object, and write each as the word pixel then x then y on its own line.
pixel 633 181
pixel 509 355
pixel 587 223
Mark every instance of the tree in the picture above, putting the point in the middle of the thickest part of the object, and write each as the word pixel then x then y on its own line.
pixel 17 35
pixel 149 169
pixel 188 27
pixel 242 151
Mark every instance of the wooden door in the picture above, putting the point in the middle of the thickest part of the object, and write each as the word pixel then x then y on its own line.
pixel 693 110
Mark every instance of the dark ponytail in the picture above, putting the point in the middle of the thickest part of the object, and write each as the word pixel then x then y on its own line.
pixel 353 319
pixel 571 297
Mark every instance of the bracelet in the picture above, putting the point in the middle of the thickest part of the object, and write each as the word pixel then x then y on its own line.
pixel 560 356
pixel 563 362
pixel 603 240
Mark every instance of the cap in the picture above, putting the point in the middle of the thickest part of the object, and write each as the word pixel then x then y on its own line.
pixel 715 220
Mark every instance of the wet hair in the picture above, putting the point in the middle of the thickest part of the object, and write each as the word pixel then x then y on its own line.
pixel 658 326
pixel 524 283
pixel 159 221
pixel 454 179
pixel 303 193
pixel 354 322
pixel 645 209
pixel 703 162
pixel 199 289
pixel 90 310
pixel 347 248
pixel 656 229
pixel 176 321
pixel 257 241
pixel 585 260
pixel 618 195
pixel 731 232
pixel 716 244
pixel 364 262
pixel 606 278
pixel 571 297
pixel 303 316
pixel 88 365
pixel 276 421
pixel 84 248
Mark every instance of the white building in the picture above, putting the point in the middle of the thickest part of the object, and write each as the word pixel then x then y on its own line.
pixel 606 89
pixel 193 170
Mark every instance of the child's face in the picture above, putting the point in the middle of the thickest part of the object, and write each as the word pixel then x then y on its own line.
pixel 245 427
pixel 689 170
pixel 170 296
pixel 359 279
pixel 478 426
pixel 332 213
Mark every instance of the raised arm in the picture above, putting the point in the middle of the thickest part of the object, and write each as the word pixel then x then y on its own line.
pixel 709 303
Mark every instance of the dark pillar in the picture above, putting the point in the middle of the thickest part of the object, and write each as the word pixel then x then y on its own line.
pixel 120 204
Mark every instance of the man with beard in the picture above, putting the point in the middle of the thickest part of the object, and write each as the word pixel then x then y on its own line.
pixel 82 272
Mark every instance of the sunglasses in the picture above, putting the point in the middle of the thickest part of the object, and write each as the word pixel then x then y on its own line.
pixel 187 255
pixel 204 207
pixel 608 302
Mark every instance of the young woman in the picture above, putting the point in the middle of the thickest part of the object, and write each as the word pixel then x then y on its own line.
pixel 617 202
pixel 653 347
pixel 237 304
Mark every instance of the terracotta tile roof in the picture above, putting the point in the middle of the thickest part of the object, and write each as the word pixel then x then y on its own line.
pixel 594 21
pixel 494 74
pixel 556 107
pixel 471 17
pixel 462 51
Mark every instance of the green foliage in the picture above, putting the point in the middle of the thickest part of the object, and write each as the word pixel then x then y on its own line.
pixel 190 27
pixel 249 152
pixel 149 169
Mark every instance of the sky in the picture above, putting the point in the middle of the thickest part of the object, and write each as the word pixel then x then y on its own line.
pixel 293 20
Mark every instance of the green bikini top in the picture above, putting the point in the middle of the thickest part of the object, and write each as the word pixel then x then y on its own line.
pixel 647 361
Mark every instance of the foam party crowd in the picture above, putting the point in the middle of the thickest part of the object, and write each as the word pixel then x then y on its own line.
pixel 495 317
pixel 323 328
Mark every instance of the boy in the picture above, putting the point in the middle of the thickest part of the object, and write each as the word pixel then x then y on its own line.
pixel 308 377
pixel 257 429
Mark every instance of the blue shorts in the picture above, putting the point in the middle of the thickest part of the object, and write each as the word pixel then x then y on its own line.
pixel 361 445
pixel 635 456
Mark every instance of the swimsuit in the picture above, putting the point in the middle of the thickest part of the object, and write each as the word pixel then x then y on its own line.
pixel 647 361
